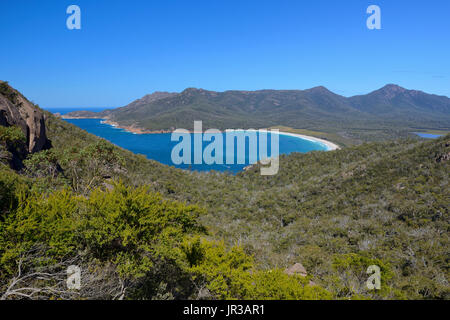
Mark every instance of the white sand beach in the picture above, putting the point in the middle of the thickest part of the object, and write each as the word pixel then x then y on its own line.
pixel 330 145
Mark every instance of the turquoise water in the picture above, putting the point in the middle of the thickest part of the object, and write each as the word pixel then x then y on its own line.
pixel 428 135
pixel 159 146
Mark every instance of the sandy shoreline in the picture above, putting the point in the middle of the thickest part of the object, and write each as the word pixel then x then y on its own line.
pixel 133 129
pixel 330 145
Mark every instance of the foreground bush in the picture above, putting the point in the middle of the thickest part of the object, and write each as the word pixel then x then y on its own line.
pixel 132 229
pixel 130 243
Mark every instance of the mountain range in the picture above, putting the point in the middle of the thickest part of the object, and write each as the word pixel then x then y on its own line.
pixel 389 108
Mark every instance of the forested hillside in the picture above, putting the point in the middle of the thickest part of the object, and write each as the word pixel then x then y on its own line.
pixel 141 229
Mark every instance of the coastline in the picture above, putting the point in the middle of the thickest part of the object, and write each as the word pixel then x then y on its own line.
pixel 70 117
pixel 328 144
pixel 136 130
pixel 133 129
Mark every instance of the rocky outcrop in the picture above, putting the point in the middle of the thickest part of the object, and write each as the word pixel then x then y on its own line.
pixel 297 269
pixel 16 110
pixel 300 270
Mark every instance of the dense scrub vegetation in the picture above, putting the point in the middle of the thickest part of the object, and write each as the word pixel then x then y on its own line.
pixel 166 233
pixel 129 242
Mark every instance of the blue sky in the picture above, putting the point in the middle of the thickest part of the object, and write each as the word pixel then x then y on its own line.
pixel 127 49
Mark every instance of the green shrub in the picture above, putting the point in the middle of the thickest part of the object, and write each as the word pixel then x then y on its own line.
pixel 232 274
pixel 132 228
pixel 12 136
pixel 43 164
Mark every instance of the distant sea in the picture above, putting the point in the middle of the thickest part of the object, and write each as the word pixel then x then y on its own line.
pixel 67 110
pixel 159 146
